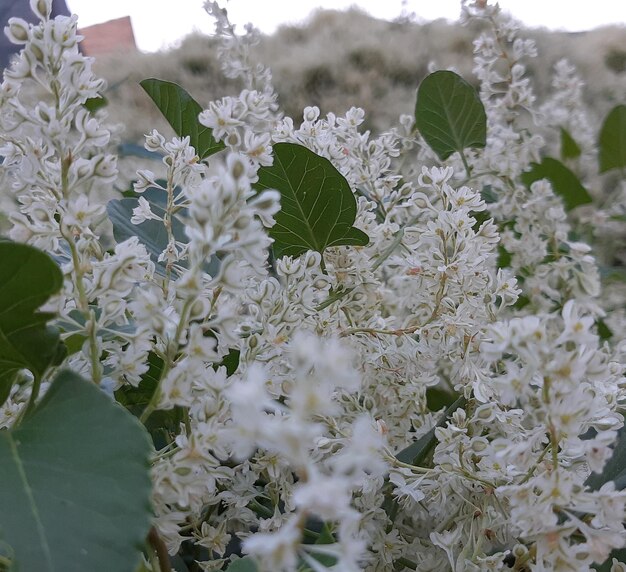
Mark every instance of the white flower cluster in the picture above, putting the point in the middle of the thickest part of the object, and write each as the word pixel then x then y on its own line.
pixel 295 404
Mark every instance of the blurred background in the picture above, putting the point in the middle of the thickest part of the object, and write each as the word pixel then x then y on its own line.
pixel 157 25
pixel 333 54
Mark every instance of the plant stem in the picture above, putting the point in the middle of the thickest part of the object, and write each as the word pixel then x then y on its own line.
pixel 31 400
pixel 407 563
pixel 397 240
pixel 468 169
pixel 161 550
pixel 169 361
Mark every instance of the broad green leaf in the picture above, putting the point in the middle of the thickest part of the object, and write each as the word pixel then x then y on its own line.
pixel 449 114
pixel 564 182
pixel 318 208
pixel 181 111
pixel 416 452
pixel 152 233
pixel 28 277
pixel 569 148
pixel 75 492
pixel 243 565
pixel 612 142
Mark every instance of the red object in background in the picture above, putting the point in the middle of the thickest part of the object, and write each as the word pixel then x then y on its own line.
pixel 108 37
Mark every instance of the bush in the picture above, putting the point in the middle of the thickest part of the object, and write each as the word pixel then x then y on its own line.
pixel 313 347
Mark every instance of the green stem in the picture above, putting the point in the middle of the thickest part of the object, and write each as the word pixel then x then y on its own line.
pixel 335 297
pixel 167 222
pixel 171 352
pixel 468 169
pixel 89 315
pixel 407 563
pixel 532 470
pixel 31 400
pixel 397 240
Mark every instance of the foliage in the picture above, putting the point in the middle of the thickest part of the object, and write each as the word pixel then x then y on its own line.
pixel 28 278
pixel 449 114
pixel 317 205
pixel 350 350
pixel 181 111
pixel 564 182
pixel 612 142
pixel 75 485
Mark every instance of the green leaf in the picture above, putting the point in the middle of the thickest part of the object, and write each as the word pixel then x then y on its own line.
pixel 615 468
pixel 161 423
pixel 230 361
pixel 612 142
pixel 417 451
pixel 181 111
pixel 449 114
pixel 325 537
pixel 94 103
pixel 504 257
pixel 564 182
pixel 604 331
pixel 243 565
pixel 437 398
pixel 136 398
pixel 75 492
pixel 318 208
pixel 28 277
pixel 7 379
pixel 151 233
pixel 606 567
pixel 569 148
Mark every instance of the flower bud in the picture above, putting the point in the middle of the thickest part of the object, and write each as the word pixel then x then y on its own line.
pixel 41 8
pixel 17 31
pixel 154 141
pixel 106 167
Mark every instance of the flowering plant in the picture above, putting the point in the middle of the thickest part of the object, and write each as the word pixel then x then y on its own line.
pixel 305 347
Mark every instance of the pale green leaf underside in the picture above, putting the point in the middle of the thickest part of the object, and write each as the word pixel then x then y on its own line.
pixel 75 483
pixel 243 565
pixel 151 233
pixel 318 207
pixel 449 114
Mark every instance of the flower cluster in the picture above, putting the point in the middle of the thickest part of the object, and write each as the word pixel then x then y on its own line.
pixel 439 399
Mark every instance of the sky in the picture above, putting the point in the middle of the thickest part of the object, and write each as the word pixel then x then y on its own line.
pixel 161 23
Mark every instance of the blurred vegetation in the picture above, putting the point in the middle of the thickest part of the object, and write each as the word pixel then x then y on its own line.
pixel 343 59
